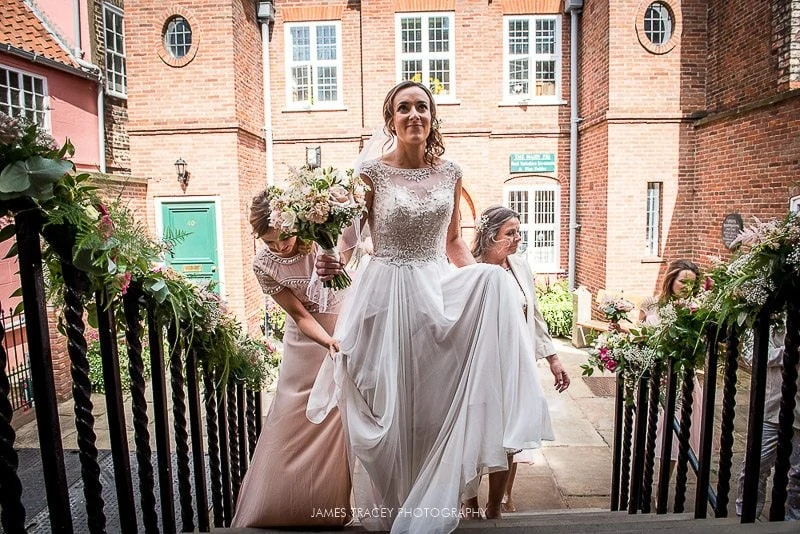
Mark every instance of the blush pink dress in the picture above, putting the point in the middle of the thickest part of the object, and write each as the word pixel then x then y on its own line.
pixel 299 473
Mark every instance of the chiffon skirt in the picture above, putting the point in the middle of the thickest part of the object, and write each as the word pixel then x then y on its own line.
pixel 435 383
pixel 299 474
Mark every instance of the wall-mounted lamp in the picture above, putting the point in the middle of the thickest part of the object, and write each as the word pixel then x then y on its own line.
pixel 313 156
pixel 183 174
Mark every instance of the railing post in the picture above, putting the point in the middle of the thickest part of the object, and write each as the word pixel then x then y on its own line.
pixel 627 435
pixel 12 513
pixel 243 438
pixel 682 467
pixel 225 461
pixel 181 433
pixel 155 335
pixel 212 426
pixel 637 476
pixel 726 425
pixel 28 225
pixel 198 456
pixel 616 462
pixel 118 430
pixel 144 455
pixel 777 510
pixel 755 422
pixel 82 395
pixel 652 432
pixel 666 439
pixel 707 425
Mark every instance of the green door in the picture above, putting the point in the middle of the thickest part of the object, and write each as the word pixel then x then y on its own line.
pixel 194 256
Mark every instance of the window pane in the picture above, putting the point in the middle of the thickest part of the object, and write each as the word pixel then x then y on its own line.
pixel 326 43
pixel 301 44
pixel 653 219
pixel 411 35
pixel 439 34
pixel 518 33
pixel 544 207
pixel 545 78
pixel 546 36
pixel 543 247
pixel 326 84
pixel 411 70
pixel 301 84
pixel 518 201
pixel 518 83
pixel 439 82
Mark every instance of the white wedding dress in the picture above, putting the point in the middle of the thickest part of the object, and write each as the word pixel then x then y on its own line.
pixel 436 378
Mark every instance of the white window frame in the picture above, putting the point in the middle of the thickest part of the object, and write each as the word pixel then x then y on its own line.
pixel 652 231
pixel 426 56
pixel 528 226
pixel 25 96
pixel 794 204
pixel 112 52
pixel 314 64
pixel 530 98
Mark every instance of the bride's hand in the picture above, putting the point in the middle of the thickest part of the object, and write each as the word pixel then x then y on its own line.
pixel 333 347
pixel 328 267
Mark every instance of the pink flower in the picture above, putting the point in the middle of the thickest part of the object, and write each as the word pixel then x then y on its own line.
pixel 604 352
pixel 708 283
pixel 693 307
pixel 105 226
pixel 611 365
pixel 125 282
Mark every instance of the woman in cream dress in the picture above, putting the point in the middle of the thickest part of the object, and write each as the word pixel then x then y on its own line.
pixel 299 474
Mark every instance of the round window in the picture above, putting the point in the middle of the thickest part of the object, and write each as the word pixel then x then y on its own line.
pixel 658 23
pixel 178 37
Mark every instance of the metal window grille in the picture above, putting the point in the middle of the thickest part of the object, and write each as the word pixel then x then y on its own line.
pixel 426 52
pixel 658 23
pixel 116 73
pixel 178 37
pixel 23 95
pixel 652 244
pixel 18 367
pixel 538 217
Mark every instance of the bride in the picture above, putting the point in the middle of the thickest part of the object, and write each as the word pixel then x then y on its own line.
pixel 434 379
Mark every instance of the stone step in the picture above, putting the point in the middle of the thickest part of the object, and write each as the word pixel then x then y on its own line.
pixel 589 521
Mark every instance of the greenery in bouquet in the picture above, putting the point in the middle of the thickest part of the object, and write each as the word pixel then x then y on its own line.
pixel 317 205
pixel 615 309
pixel 626 354
pixel 766 263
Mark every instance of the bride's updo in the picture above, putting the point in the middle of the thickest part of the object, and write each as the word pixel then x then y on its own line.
pixel 434 145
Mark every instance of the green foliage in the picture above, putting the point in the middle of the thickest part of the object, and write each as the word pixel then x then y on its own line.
pixel 277 320
pixel 555 302
pixel 96 366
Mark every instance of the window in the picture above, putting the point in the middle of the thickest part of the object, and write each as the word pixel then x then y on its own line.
pixel 658 23
pixel 425 51
pixel 24 95
pixel 116 76
pixel 653 230
pixel 539 221
pixel 314 65
pixel 178 37
pixel 532 59
pixel 794 204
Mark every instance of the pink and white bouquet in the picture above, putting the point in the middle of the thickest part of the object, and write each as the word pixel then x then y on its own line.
pixel 317 205
pixel 615 309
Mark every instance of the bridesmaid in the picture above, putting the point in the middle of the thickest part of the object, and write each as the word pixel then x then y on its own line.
pixel 299 473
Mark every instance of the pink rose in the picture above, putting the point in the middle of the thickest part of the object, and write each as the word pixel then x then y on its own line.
pixel 611 365
pixel 604 351
pixel 708 283
pixel 105 226
pixel 338 196
pixel 126 282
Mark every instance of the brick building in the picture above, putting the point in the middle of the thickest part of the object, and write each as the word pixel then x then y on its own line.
pixel 687 112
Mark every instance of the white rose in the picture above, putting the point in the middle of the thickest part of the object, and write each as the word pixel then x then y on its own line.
pixel 288 221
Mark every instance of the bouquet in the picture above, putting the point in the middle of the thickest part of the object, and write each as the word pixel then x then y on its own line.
pixel 615 309
pixel 318 205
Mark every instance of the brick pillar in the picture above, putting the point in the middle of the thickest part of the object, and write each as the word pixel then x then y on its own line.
pixel 60 358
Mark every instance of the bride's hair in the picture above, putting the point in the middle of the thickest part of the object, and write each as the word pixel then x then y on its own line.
pixel 259 217
pixel 434 145
pixel 487 226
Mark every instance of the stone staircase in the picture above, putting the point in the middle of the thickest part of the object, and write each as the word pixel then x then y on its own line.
pixel 589 521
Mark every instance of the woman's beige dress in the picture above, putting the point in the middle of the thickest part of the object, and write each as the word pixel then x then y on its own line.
pixel 299 474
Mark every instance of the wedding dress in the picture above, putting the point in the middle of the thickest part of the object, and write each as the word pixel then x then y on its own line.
pixel 435 380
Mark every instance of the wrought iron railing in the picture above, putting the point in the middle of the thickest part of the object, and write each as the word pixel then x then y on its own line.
pixel 220 427
pixel 635 429
pixel 18 366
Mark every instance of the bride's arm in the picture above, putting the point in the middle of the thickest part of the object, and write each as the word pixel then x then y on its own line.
pixel 328 266
pixel 457 249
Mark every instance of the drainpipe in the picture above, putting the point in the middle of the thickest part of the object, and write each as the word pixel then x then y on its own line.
pixel 76 22
pixel 266 16
pixel 77 52
pixel 574 8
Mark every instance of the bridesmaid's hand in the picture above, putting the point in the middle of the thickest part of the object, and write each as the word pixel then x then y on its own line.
pixel 328 267
pixel 333 347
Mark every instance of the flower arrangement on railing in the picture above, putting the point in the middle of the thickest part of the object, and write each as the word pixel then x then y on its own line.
pixel 113 252
pixel 628 354
pixel 766 263
pixel 317 205
pixel 615 309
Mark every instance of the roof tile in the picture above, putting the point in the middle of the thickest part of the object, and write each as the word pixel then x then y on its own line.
pixel 22 29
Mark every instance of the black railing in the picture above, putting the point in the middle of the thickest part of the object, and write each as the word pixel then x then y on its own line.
pixel 634 444
pixel 18 365
pixel 210 419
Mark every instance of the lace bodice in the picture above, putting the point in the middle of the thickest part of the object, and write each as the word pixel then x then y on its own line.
pixel 411 211
pixel 275 273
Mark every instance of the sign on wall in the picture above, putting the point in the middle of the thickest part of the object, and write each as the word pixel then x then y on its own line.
pixel 731 227
pixel 532 162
